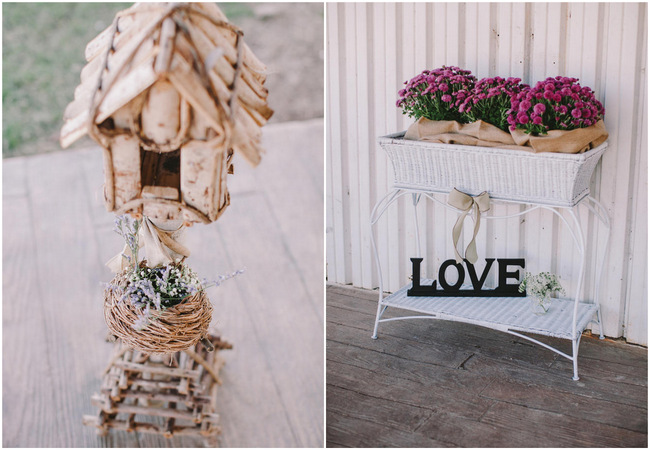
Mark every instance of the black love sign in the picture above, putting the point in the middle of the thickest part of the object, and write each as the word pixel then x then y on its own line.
pixel 504 289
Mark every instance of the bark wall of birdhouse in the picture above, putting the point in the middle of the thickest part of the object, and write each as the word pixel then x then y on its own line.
pixel 126 180
pixel 160 118
pixel 203 173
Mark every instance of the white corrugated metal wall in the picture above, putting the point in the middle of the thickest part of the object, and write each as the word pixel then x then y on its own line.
pixel 372 48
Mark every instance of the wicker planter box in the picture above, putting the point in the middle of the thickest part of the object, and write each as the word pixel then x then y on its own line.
pixel 548 178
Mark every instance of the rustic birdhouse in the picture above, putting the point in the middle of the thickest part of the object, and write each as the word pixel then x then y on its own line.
pixel 170 91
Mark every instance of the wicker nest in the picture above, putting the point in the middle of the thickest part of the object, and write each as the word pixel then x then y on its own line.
pixel 174 329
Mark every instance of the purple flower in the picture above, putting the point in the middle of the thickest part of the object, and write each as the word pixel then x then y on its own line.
pixel 539 108
pixel 453 83
pixel 537 120
pixel 576 113
pixel 522 118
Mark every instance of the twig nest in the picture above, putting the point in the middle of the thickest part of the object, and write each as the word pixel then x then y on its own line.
pixel 173 329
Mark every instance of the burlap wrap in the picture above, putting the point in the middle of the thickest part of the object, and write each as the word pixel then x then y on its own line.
pixel 483 134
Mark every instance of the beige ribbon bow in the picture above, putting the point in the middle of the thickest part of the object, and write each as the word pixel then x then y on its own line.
pixel 465 202
pixel 161 245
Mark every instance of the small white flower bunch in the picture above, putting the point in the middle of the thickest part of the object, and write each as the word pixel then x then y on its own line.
pixel 541 285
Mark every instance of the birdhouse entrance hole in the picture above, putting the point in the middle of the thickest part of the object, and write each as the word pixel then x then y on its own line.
pixel 161 174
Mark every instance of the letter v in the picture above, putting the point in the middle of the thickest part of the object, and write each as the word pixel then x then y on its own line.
pixel 476 283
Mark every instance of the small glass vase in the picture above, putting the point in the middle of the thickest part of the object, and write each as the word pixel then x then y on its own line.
pixel 540 305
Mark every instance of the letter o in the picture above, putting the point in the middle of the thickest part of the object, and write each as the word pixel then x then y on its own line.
pixel 441 275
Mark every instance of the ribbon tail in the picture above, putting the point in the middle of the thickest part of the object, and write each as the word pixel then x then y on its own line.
pixel 455 235
pixel 156 254
pixel 470 253
pixel 118 262
pixel 173 245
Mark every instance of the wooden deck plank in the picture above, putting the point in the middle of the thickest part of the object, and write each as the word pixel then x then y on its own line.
pixel 24 336
pixel 425 393
pixel 506 393
pixel 292 182
pixel 559 430
pixel 546 398
pixel 435 423
pixel 283 316
pixel 347 431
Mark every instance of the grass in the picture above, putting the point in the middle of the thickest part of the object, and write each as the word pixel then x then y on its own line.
pixel 42 53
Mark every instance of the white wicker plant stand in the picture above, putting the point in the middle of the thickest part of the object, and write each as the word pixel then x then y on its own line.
pixel 551 181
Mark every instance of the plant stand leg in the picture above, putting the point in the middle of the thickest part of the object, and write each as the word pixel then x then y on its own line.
pixel 600 325
pixel 576 343
pixel 374 332
pixel 376 213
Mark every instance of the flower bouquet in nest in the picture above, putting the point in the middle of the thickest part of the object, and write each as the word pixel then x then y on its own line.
pixel 531 144
pixel 159 309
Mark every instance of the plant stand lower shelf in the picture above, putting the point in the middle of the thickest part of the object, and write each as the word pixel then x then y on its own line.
pixel 508 314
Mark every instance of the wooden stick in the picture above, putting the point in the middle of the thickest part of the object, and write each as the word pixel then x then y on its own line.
pixel 188 400
pixel 166 44
pixel 169 423
pixel 145 427
pixel 205 365
pixel 150 411
pixel 157 370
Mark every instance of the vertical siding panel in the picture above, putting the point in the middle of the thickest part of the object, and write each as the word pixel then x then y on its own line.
pixel 407 50
pixel 373 48
pixel 620 66
pixel 484 37
pixel 383 104
pixel 471 37
pixel 350 137
pixel 421 55
pixel 439 32
pixel 335 122
pixel 364 143
pixel 393 122
pixel 636 321
pixel 636 313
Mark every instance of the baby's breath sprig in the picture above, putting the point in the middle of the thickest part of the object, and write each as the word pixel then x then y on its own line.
pixel 541 285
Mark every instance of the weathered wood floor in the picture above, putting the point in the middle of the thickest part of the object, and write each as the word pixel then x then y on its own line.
pixel 427 383
pixel 57 237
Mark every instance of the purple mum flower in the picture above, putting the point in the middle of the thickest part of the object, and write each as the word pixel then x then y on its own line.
pixel 539 108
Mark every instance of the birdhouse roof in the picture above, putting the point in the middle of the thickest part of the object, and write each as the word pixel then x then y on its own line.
pixel 196 49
